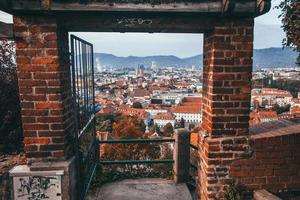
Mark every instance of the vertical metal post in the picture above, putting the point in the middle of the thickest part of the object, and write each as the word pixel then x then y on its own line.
pixel 181 155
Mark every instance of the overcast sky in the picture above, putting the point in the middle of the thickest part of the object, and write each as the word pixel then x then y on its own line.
pixel 268 33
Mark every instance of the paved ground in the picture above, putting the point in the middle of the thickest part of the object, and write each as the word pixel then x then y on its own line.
pixel 142 189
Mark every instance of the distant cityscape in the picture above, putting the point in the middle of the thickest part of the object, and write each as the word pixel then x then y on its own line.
pixel 162 96
pixel 276 58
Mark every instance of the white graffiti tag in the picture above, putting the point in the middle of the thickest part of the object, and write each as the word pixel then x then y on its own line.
pixel 35 188
pixel 130 22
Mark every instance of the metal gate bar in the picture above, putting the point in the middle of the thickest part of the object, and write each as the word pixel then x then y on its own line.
pixel 82 64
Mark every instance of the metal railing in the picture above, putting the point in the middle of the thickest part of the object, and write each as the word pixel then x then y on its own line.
pixel 127 141
pixel 192 177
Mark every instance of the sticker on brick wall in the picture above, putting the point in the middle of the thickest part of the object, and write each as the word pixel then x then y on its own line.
pixel 37 187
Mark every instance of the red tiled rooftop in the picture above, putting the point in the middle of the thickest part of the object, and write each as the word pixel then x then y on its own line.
pixel 187 109
pixel 267 114
pixel 165 116
pixel 271 92
pixel 192 100
pixel 270 126
pixel 126 110
pixel 296 100
pixel 158 107
pixel 140 93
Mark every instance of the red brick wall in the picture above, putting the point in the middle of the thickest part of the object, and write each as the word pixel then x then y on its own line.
pixel 217 154
pixel 268 161
pixel 228 50
pixel 274 164
pixel 44 85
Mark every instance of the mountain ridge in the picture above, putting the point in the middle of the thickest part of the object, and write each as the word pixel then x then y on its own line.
pixel 262 58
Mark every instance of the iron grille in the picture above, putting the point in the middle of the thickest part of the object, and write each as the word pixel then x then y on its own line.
pixel 84 107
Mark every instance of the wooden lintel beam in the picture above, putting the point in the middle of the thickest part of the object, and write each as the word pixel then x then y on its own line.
pixel 230 7
pixel 5 5
pixel 122 22
pixel 6 31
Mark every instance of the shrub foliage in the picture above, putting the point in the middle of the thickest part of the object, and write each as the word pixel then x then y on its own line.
pixel 10 122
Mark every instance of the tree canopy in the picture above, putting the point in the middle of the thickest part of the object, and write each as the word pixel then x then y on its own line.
pixel 10 118
pixel 291 24
pixel 168 130
pixel 129 128
pixel 137 105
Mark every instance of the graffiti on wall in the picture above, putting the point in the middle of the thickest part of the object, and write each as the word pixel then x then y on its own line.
pixel 37 188
pixel 131 22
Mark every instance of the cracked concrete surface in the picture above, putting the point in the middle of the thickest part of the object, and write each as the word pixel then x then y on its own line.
pixel 142 189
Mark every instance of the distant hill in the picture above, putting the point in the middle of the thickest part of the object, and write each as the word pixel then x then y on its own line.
pixel 263 58
pixel 133 61
pixel 274 57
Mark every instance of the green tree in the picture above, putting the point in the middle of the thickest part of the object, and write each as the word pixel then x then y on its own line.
pixel 10 118
pixel 291 24
pixel 129 128
pixel 280 109
pixel 137 105
pixel 154 128
pixel 182 123
pixel 104 121
pixel 191 126
pixel 168 130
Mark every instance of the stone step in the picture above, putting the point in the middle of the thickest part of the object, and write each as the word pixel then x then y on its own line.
pixel 142 189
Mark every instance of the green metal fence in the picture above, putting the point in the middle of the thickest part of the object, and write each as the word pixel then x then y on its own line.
pixel 193 166
pixel 127 141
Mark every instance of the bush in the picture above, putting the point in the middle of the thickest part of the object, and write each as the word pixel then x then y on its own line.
pixel 10 118
pixel 233 193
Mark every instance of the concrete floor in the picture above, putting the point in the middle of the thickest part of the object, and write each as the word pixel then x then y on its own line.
pixel 141 189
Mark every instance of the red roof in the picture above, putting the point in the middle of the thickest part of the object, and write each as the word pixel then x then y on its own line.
pixel 196 109
pixel 256 117
pixel 192 100
pixel 271 92
pixel 296 100
pixel 126 110
pixel 295 109
pixel 165 116
pixel 140 93
pixel 158 107
pixel 189 105
pixel 267 114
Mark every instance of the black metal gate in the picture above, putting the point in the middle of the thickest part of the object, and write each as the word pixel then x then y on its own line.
pixel 84 104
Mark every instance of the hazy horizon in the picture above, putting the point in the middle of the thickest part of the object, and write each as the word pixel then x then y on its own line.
pixel 172 54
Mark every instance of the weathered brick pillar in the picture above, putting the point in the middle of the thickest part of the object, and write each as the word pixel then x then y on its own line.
pixel 44 84
pixel 45 93
pixel 227 70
